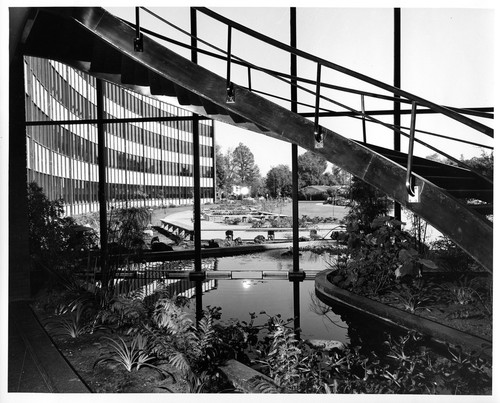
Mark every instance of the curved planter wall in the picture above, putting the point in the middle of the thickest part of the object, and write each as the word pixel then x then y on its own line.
pixel 333 295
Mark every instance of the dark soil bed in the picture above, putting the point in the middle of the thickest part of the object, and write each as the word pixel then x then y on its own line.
pixel 82 353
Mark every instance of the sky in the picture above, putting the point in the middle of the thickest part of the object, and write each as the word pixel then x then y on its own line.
pixel 448 54
pixel 447 58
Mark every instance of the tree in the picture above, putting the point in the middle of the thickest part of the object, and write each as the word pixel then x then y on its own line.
pixel 340 176
pixel 221 170
pixel 225 175
pixel 237 167
pixel 483 164
pixel 279 181
pixel 368 203
pixel 258 187
pixel 244 165
pixel 328 179
pixel 311 167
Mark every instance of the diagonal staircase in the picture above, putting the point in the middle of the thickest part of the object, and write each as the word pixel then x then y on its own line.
pixel 96 42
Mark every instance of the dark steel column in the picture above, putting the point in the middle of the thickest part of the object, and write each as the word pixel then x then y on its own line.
pixel 197 191
pixel 295 176
pixel 19 258
pixel 397 84
pixel 102 163
pixel 214 162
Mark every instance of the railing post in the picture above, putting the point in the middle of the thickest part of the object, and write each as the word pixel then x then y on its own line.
pixel 409 177
pixel 138 40
pixel 363 120
pixel 317 128
pixel 249 78
pixel 229 85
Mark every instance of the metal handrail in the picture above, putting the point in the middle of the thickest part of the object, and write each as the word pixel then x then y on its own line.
pixel 483 112
pixel 446 111
pixel 420 101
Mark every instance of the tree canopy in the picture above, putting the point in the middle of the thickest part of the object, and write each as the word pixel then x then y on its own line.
pixel 279 181
pixel 244 165
pixel 311 167
pixel 237 167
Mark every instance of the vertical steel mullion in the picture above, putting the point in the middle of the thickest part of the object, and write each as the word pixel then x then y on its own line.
pixel 397 84
pixel 101 154
pixel 409 177
pixel 214 162
pixel 295 175
pixel 196 182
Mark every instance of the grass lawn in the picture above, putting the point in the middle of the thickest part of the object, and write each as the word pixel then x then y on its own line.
pixel 314 209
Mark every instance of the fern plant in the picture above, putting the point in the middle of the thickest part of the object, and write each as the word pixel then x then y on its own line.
pixel 124 310
pixel 191 350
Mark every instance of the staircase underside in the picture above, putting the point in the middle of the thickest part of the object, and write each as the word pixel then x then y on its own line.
pixel 94 41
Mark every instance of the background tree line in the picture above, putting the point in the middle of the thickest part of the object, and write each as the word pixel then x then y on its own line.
pixel 237 167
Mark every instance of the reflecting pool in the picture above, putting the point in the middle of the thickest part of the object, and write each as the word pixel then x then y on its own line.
pixel 239 297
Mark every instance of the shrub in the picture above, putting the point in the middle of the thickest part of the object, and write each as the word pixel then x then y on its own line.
pixel 377 258
pixel 53 239
pixel 126 227
pixel 451 257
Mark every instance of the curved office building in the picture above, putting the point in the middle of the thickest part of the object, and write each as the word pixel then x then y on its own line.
pixel 149 143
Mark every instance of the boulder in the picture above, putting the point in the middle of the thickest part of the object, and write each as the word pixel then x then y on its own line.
pixel 259 239
pixel 326 345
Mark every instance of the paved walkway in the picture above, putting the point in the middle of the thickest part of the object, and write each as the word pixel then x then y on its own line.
pixel 35 364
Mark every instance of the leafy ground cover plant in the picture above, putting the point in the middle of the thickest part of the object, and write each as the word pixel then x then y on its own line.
pixel 404 365
pixel 195 351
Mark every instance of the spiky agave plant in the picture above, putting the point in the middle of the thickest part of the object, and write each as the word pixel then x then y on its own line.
pixel 133 356
pixel 73 325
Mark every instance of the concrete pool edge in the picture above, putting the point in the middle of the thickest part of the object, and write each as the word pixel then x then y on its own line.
pixel 442 334
pixel 222 251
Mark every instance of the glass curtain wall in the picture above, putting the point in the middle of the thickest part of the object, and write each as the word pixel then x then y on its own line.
pixel 150 163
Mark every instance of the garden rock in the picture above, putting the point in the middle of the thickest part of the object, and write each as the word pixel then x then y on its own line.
pixel 326 345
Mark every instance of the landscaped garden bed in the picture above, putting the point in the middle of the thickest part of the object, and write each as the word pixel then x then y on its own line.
pixel 128 343
pixel 126 346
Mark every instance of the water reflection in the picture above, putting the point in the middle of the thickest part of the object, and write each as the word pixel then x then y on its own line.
pixel 238 298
